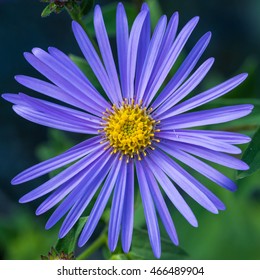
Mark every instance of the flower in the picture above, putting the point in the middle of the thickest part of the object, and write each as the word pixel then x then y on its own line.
pixel 138 128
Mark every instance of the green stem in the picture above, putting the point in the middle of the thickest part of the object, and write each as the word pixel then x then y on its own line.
pixel 101 240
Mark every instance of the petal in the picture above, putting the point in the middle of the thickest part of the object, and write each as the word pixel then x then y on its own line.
pixel 172 192
pixel 181 177
pixel 50 121
pixel 92 172
pixel 63 83
pixel 150 58
pixel 213 156
pixel 187 87
pixel 18 100
pixel 159 73
pixel 106 52
pixel 117 209
pixel 143 44
pixel 63 176
pixel 132 52
pixel 149 211
pixel 201 167
pixel 100 203
pixel 93 60
pixel 122 34
pixel 184 70
pixel 206 96
pixel 54 163
pixel 49 90
pixel 69 64
pixel 128 210
pixel 161 206
pixel 91 187
pixel 206 117
pixel 196 139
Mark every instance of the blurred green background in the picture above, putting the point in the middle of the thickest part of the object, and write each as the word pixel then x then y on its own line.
pixel 234 233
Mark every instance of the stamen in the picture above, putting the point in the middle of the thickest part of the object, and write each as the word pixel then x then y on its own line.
pixel 129 129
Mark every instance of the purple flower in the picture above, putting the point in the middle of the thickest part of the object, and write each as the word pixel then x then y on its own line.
pixel 139 128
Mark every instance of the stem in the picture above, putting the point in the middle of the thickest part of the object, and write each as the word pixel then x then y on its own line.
pixel 101 240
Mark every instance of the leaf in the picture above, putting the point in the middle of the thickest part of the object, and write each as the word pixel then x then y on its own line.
pixel 109 14
pixel 86 6
pixel 251 156
pixel 48 10
pixel 141 248
pixel 68 243
pixel 155 11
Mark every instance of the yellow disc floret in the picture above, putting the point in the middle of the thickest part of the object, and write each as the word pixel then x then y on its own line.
pixel 129 129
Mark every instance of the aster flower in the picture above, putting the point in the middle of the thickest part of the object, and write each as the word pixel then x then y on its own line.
pixel 140 128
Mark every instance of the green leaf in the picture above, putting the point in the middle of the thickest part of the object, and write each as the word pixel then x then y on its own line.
pixel 155 11
pixel 68 243
pixel 48 10
pixel 109 14
pixel 251 156
pixel 86 6
pixel 141 248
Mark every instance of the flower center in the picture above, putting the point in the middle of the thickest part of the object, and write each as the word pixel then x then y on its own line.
pixel 129 129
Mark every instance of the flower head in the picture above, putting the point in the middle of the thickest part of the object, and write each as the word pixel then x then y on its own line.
pixel 141 128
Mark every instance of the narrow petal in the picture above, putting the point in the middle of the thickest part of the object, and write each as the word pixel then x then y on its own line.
pixel 117 209
pixel 128 210
pixel 62 177
pixel 100 203
pixel 18 100
pixel 86 89
pixel 206 117
pixel 188 183
pixel 184 70
pixel 132 52
pixel 149 211
pixel 49 90
pixel 161 207
pixel 143 44
pixel 168 38
pixel 106 52
pixel 64 84
pixel 207 142
pixel 92 172
pixel 151 56
pixel 50 121
pixel 122 35
pixel 54 163
pixel 69 64
pixel 172 192
pixel 62 113
pixel 206 96
pixel 159 74
pixel 213 156
pixel 200 166
pixel 93 59
pixel 90 189
pixel 186 87
pixel 228 137
pixel 60 193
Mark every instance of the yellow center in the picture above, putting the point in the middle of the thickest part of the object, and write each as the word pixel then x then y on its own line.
pixel 129 129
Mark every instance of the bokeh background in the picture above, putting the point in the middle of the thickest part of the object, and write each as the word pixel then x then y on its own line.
pixel 234 233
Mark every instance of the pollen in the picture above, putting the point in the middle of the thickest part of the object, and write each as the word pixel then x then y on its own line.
pixel 129 129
